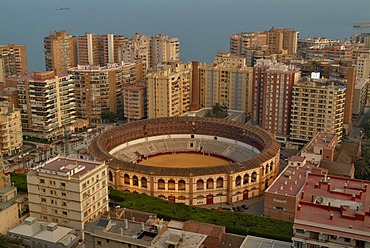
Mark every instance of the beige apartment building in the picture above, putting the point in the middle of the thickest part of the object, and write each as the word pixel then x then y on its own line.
pixel 100 89
pixel 99 49
pixel 134 101
pixel 317 106
pixel 11 138
pixel 272 95
pixel 363 71
pixel 169 90
pixel 360 97
pixel 254 45
pixel 68 191
pixel 13 60
pixel 60 51
pixel 226 81
pixel 152 50
pixel 47 103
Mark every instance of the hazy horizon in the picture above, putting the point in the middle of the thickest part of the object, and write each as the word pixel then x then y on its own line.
pixel 203 26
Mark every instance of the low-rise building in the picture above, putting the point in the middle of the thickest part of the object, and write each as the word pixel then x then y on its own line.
pixel 252 241
pixel 281 198
pixel 13 208
pixel 322 146
pixel 34 233
pixel 332 212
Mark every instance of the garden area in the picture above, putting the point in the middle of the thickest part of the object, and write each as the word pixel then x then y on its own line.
pixel 235 222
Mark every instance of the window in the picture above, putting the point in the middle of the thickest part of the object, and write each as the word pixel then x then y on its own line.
pixel 43 199
pixel 143 182
pixel 65 213
pixel 181 185
pixel 161 184
pixel 42 180
pixel 64 204
pixel 98 242
pixel 171 184
pixel 64 194
pixel 348 240
pixel 220 183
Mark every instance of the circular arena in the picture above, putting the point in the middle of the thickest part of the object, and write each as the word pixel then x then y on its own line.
pixel 189 160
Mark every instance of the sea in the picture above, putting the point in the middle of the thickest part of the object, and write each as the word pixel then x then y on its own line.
pixel 203 26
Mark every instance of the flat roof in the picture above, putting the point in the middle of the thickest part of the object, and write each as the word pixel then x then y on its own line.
pixel 66 166
pixel 291 180
pixel 339 205
pixel 183 239
pixel 253 241
pixel 321 139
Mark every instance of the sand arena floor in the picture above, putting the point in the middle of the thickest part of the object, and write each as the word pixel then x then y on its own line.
pixel 184 160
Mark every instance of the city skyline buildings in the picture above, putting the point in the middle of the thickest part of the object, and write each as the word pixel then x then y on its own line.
pixel 60 51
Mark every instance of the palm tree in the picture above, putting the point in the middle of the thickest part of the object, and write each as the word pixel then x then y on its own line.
pixel 365 154
pixel 362 169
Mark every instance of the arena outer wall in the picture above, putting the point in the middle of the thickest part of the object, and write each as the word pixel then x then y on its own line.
pixel 193 186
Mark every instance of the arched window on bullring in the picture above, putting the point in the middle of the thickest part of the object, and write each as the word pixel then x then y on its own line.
pixel 126 179
pixel 110 175
pixel 135 181
pixel 238 181
pixel 181 185
pixel 200 184
pixel 266 169
pixel 161 184
pixel 271 166
pixel 246 179
pixel 220 183
pixel 254 177
pixel 144 182
pixel 210 183
pixel 171 184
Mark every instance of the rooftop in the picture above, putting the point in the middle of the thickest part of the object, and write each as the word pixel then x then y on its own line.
pixel 181 239
pixel 65 166
pixel 322 140
pixel 123 228
pixel 339 205
pixel 291 180
pixel 252 241
pixel 41 230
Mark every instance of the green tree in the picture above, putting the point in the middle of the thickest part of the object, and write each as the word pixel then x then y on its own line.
pixel 217 111
pixel 362 169
pixel 108 116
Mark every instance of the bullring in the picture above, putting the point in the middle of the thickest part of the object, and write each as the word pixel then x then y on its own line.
pixel 251 158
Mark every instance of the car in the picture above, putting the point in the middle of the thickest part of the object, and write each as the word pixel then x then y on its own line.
pixel 244 206
pixel 240 209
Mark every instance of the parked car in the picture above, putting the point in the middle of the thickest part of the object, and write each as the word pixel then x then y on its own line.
pixel 245 206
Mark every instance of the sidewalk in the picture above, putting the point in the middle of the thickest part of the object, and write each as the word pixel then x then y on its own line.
pixel 255 205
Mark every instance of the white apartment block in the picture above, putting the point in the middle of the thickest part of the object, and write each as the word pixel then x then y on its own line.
pixel 317 106
pixel 68 191
pixel 169 90
pixel 226 81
